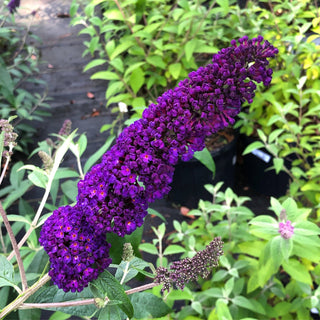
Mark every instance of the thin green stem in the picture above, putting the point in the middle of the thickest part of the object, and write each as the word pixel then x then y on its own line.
pixel 15 248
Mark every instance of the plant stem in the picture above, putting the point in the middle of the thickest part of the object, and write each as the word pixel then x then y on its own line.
pixel 4 170
pixel 15 248
pixel 4 249
pixel 80 302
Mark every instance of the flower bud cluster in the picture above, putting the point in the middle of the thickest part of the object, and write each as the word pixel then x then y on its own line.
pixel 189 269
pixel 9 139
pixel 138 169
pixel 286 229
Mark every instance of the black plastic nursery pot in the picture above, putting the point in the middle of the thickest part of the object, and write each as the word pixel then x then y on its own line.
pixel 259 178
pixel 190 177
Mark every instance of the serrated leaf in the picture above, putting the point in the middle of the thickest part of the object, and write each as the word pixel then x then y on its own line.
pixel 110 287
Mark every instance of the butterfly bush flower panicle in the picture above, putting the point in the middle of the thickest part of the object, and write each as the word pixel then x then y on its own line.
pixel 77 255
pixel 189 269
pixel 114 195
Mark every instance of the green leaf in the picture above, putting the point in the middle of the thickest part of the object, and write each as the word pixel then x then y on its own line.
pixel 111 312
pixel 121 48
pixel 173 249
pixel 148 247
pixel 24 186
pixel 175 70
pixel 157 62
pixel 305 228
pixel 222 310
pixel 133 268
pixel 58 315
pixel 39 178
pixel 105 75
pixel 278 164
pixel 147 305
pixel 250 304
pixel 189 48
pixel 69 188
pixel 206 159
pixel 6 273
pixel 136 79
pixel 109 287
pixel 94 63
pixel 253 146
pixel 297 271
pixel 14 217
pixel 157 214
pixel 114 88
pixel 98 154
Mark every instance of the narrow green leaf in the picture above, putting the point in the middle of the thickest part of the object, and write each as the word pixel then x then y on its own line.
pixel 121 48
pixel 148 247
pixel 174 249
pixel 136 79
pixel 189 48
pixel 105 75
pixel 175 70
pixel 253 146
pixel 206 159
pixel 94 63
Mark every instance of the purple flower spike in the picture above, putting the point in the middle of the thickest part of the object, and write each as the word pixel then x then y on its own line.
pixel 76 254
pixel 13 5
pixel 138 169
pixel 286 229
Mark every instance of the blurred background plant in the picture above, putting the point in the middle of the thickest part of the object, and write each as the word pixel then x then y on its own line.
pixel 19 60
pixel 267 271
pixel 145 47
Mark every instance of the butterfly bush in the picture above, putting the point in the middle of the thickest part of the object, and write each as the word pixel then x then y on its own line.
pixel 138 169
